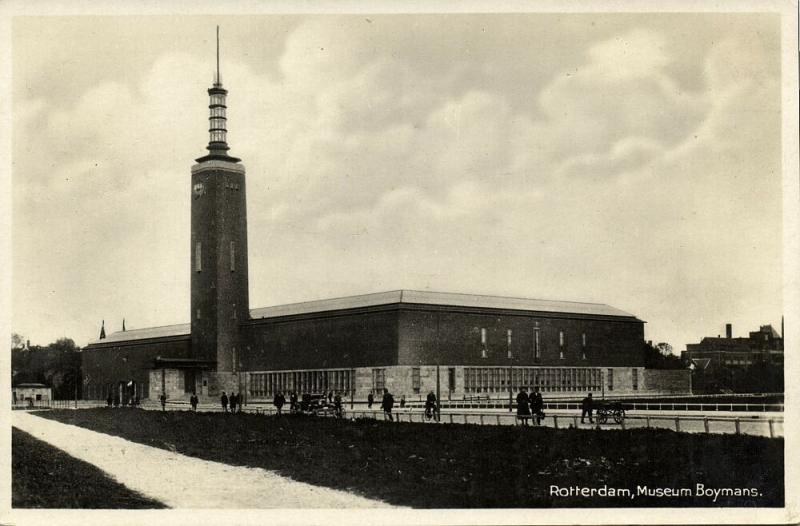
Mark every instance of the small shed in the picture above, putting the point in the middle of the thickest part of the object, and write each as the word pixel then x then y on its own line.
pixel 30 393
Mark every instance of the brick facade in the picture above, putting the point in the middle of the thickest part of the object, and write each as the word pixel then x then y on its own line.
pixel 108 365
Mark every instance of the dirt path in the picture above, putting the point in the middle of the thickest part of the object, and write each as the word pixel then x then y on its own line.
pixel 184 482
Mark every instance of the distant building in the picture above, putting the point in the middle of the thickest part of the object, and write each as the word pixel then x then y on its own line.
pixel 31 393
pixel 764 345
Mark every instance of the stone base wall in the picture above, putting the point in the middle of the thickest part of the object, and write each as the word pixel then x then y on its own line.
pixel 673 381
pixel 209 385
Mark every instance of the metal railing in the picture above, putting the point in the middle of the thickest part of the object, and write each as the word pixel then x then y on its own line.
pixel 641 406
pixel 755 425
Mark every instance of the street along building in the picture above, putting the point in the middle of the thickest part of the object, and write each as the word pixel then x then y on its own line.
pixel 401 340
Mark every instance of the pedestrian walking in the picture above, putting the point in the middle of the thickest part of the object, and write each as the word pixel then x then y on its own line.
pixel 337 405
pixel 587 404
pixel 278 402
pixel 430 405
pixel 193 400
pixel 233 401
pixel 293 402
pixel 110 400
pixel 224 400
pixel 523 406
pixel 402 401
pixel 163 399
pixel 387 404
pixel 370 400
pixel 330 397
pixel 537 406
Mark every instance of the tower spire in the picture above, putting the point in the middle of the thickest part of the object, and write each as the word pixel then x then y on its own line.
pixel 217 120
pixel 103 330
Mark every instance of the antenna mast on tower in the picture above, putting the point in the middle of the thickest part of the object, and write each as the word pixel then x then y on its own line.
pixel 218 81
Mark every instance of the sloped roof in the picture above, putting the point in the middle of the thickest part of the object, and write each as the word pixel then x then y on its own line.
pixel 769 329
pixel 385 298
pixel 183 329
pixel 438 298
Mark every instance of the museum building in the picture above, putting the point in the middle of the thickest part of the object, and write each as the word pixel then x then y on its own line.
pixel 407 341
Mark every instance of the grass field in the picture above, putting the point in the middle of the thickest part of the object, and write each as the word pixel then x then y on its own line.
pixel 45 477
pixel 428 465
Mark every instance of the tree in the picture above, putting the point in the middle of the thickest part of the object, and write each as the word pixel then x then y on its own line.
pixel 17 342
pixel 660 357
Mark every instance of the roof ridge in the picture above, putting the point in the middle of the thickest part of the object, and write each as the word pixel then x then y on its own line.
pixel 502 297
pixel 151 328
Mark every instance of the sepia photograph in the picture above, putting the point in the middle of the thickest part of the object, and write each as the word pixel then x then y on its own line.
pixel 530 264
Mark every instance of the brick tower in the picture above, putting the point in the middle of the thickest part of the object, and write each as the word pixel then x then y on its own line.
pixel 219 285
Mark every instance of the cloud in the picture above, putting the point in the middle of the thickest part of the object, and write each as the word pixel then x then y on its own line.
pixel 610 182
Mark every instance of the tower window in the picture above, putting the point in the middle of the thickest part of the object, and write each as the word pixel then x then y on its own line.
pixel 198 257
pixel 536 349
pixel 561 338
pixel 233 256
pixel 198 314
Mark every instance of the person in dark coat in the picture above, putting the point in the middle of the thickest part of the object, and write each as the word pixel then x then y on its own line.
pixel 278 402
pixel 386 404
pixel 337 404
pixel 430 405
pixel 224 400
pixel 110 400
pixel 537 405
pixel 370 400
pixel 233 401
pixel 163 399
pixel 402 401
pixel 523 406
pixel 193 400
pixel 586 408
pixel 293 402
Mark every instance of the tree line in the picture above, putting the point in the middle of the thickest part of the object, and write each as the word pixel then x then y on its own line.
pixel 57 365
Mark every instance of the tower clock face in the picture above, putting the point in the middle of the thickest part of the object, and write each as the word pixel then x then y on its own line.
pixel 199 190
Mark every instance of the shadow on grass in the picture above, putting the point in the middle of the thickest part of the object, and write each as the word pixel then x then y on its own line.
pixel 46 477
pixel 464 466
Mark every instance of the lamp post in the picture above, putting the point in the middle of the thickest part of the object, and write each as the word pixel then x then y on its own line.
pixel 510 372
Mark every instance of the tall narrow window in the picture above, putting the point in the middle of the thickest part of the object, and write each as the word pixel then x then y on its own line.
pixel 536 349
pixel 583 345
pixel 561 338
pixel 198 314
pixel 611 379
pixel 198 256
pixel 484 350
pixel 233 256
pixel 635 378
pixel 415 380
pixel 483 336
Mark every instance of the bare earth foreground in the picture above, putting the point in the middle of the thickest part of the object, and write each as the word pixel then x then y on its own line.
pixel 179 481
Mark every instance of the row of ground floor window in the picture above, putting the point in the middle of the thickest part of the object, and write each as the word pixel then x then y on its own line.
pixel 453 382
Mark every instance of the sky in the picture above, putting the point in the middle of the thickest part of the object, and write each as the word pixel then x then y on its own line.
pixel 627 159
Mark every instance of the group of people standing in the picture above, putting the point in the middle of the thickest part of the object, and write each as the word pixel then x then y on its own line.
pixel 234 401
pixel 530 406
